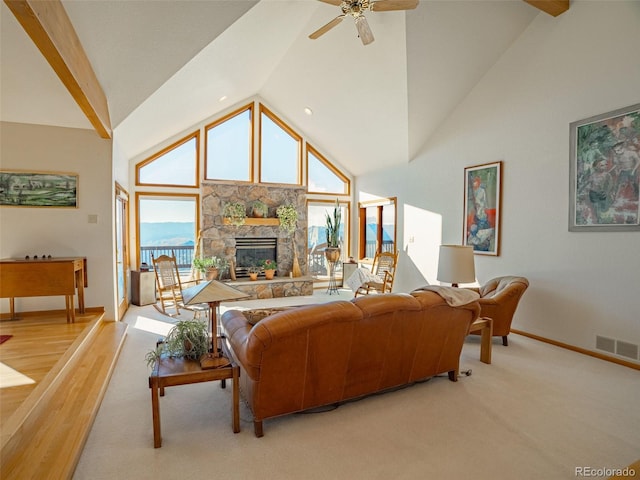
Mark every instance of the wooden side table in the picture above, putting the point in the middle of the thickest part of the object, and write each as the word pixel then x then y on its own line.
pixel 169 372
pixel 484 325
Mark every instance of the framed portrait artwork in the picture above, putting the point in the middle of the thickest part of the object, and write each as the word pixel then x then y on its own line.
pixel 482 204
pixel 21 188
pixel 605 172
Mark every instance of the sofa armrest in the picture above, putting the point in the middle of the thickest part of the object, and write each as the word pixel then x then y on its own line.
pixel 236 329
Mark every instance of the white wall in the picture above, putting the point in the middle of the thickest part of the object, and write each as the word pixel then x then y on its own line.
pixel 62 232
pixel 560 70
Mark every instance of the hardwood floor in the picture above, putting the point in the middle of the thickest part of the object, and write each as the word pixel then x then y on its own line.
pixel 45 422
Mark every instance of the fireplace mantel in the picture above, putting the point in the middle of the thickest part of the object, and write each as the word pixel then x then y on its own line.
pixel 255 221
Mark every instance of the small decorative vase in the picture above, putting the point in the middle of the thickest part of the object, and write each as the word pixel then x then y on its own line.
pixel 253 276
pixel 269 274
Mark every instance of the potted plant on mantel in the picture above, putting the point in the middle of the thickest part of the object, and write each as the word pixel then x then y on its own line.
pixel 259 209
pixel 235 213
pixel 332 252
pixel 187 338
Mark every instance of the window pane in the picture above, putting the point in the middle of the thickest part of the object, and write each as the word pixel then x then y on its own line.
pixel 388 228
pixel 317 237
pixel 371 234
pixel 322 179
pixel 167 226
pixel 229 148
pixel 174 167
pixel 279 153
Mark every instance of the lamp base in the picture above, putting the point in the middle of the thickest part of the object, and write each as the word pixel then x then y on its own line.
pixel 210 361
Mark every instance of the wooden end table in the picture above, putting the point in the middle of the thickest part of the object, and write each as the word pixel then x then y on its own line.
pixel 484 325
pixel 169 372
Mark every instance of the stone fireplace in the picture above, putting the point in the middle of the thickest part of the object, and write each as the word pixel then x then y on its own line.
pixel 219 238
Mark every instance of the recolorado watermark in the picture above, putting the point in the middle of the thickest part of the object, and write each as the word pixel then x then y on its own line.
pixel 604 472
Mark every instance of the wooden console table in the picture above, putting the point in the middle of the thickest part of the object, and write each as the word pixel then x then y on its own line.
pixel 42 278
pixel 169 372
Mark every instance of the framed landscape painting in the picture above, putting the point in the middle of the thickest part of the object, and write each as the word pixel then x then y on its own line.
pixel 605 172
pixel 482 203
pixel 38 189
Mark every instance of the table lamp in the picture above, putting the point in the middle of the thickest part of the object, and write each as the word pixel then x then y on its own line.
pixel 212 292
pixel 455 265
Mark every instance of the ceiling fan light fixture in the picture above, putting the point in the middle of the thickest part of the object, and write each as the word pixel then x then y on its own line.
pixel 356 9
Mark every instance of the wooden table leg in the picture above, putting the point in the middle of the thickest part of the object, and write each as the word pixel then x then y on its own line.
pixel 236 399
pixel 80 287
pixel 12 308
pixel 71 310
pixel 155 409
pixel 485 341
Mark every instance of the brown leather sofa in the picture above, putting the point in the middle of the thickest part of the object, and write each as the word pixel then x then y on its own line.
pixel 317 355
pixel 499 298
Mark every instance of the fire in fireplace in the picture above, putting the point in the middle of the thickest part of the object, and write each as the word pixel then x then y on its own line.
pixel 249 251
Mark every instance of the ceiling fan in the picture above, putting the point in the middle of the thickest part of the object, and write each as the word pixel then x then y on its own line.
pixel 356 9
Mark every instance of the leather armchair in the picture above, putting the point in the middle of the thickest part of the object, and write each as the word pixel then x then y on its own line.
pixel 499 299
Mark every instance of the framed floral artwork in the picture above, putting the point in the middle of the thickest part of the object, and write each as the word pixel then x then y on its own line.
pixel 482 204
pixel 605 172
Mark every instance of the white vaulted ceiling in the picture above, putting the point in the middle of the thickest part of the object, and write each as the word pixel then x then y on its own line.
pixel 164 65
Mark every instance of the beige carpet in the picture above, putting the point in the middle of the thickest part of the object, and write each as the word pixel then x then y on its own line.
pixel 537 413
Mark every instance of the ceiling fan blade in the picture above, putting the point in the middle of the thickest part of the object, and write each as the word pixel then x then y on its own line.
pixel 363 30
pixel 327 27
pixel 388 5
pixel 332 2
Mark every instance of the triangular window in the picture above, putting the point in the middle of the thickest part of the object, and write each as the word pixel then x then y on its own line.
pixel 323 177
pixel 176 165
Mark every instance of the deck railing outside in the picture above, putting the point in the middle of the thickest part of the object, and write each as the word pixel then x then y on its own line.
pixel 183 253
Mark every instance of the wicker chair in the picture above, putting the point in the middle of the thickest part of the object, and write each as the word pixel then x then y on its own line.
pixel 384 268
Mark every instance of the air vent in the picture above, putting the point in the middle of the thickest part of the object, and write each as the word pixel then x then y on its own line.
pixel 606 344
pixel 627 349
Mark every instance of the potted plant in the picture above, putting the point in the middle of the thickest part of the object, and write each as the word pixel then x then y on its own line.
pixel 235 212
pixel 288 216
pixel 253 272
pixel 187 338
pixel 259 209
pixel 332 252
pixel 269 266
pixel 209 266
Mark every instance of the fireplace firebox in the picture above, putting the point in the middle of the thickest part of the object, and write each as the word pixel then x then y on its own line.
pixel 251 250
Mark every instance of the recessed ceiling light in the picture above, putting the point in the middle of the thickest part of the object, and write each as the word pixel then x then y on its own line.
pixel 222 98
pixel 308 111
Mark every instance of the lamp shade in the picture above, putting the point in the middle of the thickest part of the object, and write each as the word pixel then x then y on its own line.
pixel 455 264
pixel 210 292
